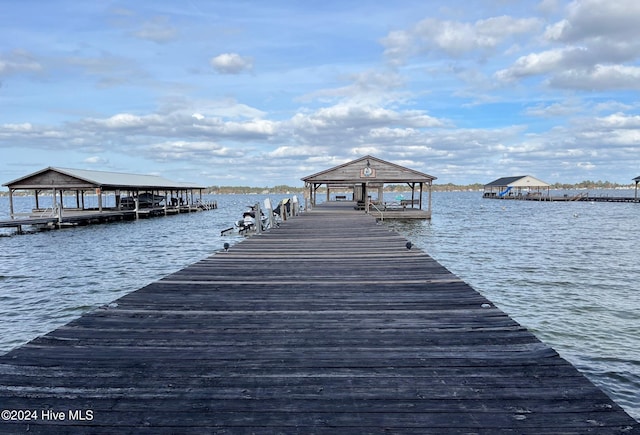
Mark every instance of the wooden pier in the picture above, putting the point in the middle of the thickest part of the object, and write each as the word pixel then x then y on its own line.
pixel 119 196
pixel 71 218
pixel 580 197
pixel 328 324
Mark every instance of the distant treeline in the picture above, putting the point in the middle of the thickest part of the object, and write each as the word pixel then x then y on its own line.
pixel 286 190
pixel 283 189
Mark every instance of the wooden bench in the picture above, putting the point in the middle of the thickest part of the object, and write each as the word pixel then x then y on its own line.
pixel 409 202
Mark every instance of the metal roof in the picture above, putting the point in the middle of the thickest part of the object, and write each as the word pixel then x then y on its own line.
pixel 351 172
pixel 100 179
pixel 518 181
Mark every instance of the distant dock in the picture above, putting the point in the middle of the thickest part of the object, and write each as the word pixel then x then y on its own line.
pixel 528 188
pixel 329 324
pixel 51 219
pixel 119 196
pixel 583 196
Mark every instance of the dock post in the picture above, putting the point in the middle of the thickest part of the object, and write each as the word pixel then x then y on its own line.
pixel 258 218
pixel 269 211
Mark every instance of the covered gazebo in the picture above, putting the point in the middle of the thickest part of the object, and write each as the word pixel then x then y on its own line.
pixel 637 180
pixel 369 174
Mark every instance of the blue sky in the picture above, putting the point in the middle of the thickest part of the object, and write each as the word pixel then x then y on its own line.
pixel 263 93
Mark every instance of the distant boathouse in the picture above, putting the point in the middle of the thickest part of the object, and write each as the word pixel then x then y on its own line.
pixel 75 196
pixel 519 187
pixel 526 187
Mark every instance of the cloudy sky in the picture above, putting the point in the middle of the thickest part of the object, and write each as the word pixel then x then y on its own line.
pixel 262 93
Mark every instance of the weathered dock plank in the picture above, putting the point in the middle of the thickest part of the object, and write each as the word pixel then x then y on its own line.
pixel 326 325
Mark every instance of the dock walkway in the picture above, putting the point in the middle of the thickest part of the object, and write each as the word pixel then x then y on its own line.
pixel 326 325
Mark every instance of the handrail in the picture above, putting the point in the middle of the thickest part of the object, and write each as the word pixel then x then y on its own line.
pixel 580 196
pixel 379 211
pixel 49 212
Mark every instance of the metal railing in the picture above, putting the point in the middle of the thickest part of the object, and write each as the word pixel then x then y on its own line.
pixel 371 204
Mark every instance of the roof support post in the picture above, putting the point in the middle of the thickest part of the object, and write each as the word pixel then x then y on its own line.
pixel 99 193
pixel 413 192
pixel 57 208
pixel 136 202
pixel 307 197
pixel 164 208
pixel 430 184
pixel 11 202
pixel 365 196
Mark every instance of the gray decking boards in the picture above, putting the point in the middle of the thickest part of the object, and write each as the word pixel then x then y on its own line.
pixel 328 324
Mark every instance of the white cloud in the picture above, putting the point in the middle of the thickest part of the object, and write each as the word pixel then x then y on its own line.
pixel 455 38
pixel 597 49
pixel 586 165
pixel 619 120
pixel 291 151
pixel 96 160
pixel 599 77
pixel 587 19
pixel 540 63
pixel 125 121
pixel 231 63
pixel 188 151
pixel 24 127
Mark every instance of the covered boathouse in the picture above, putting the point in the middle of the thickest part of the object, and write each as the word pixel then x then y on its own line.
pixel 76 196
pixel 518 187
pixel 366 177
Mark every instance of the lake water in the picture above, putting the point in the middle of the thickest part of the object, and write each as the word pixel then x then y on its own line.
pixel 567 271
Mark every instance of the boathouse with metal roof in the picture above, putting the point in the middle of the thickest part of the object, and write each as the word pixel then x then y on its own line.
pixel 79 196
pixel 368 175
pixel 518 187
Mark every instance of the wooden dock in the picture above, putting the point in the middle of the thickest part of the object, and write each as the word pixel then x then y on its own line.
pixel 326 325
pixel 72 217
pixel 581 197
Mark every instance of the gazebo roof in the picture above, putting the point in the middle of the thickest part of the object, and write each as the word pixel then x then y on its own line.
pixel 365 169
